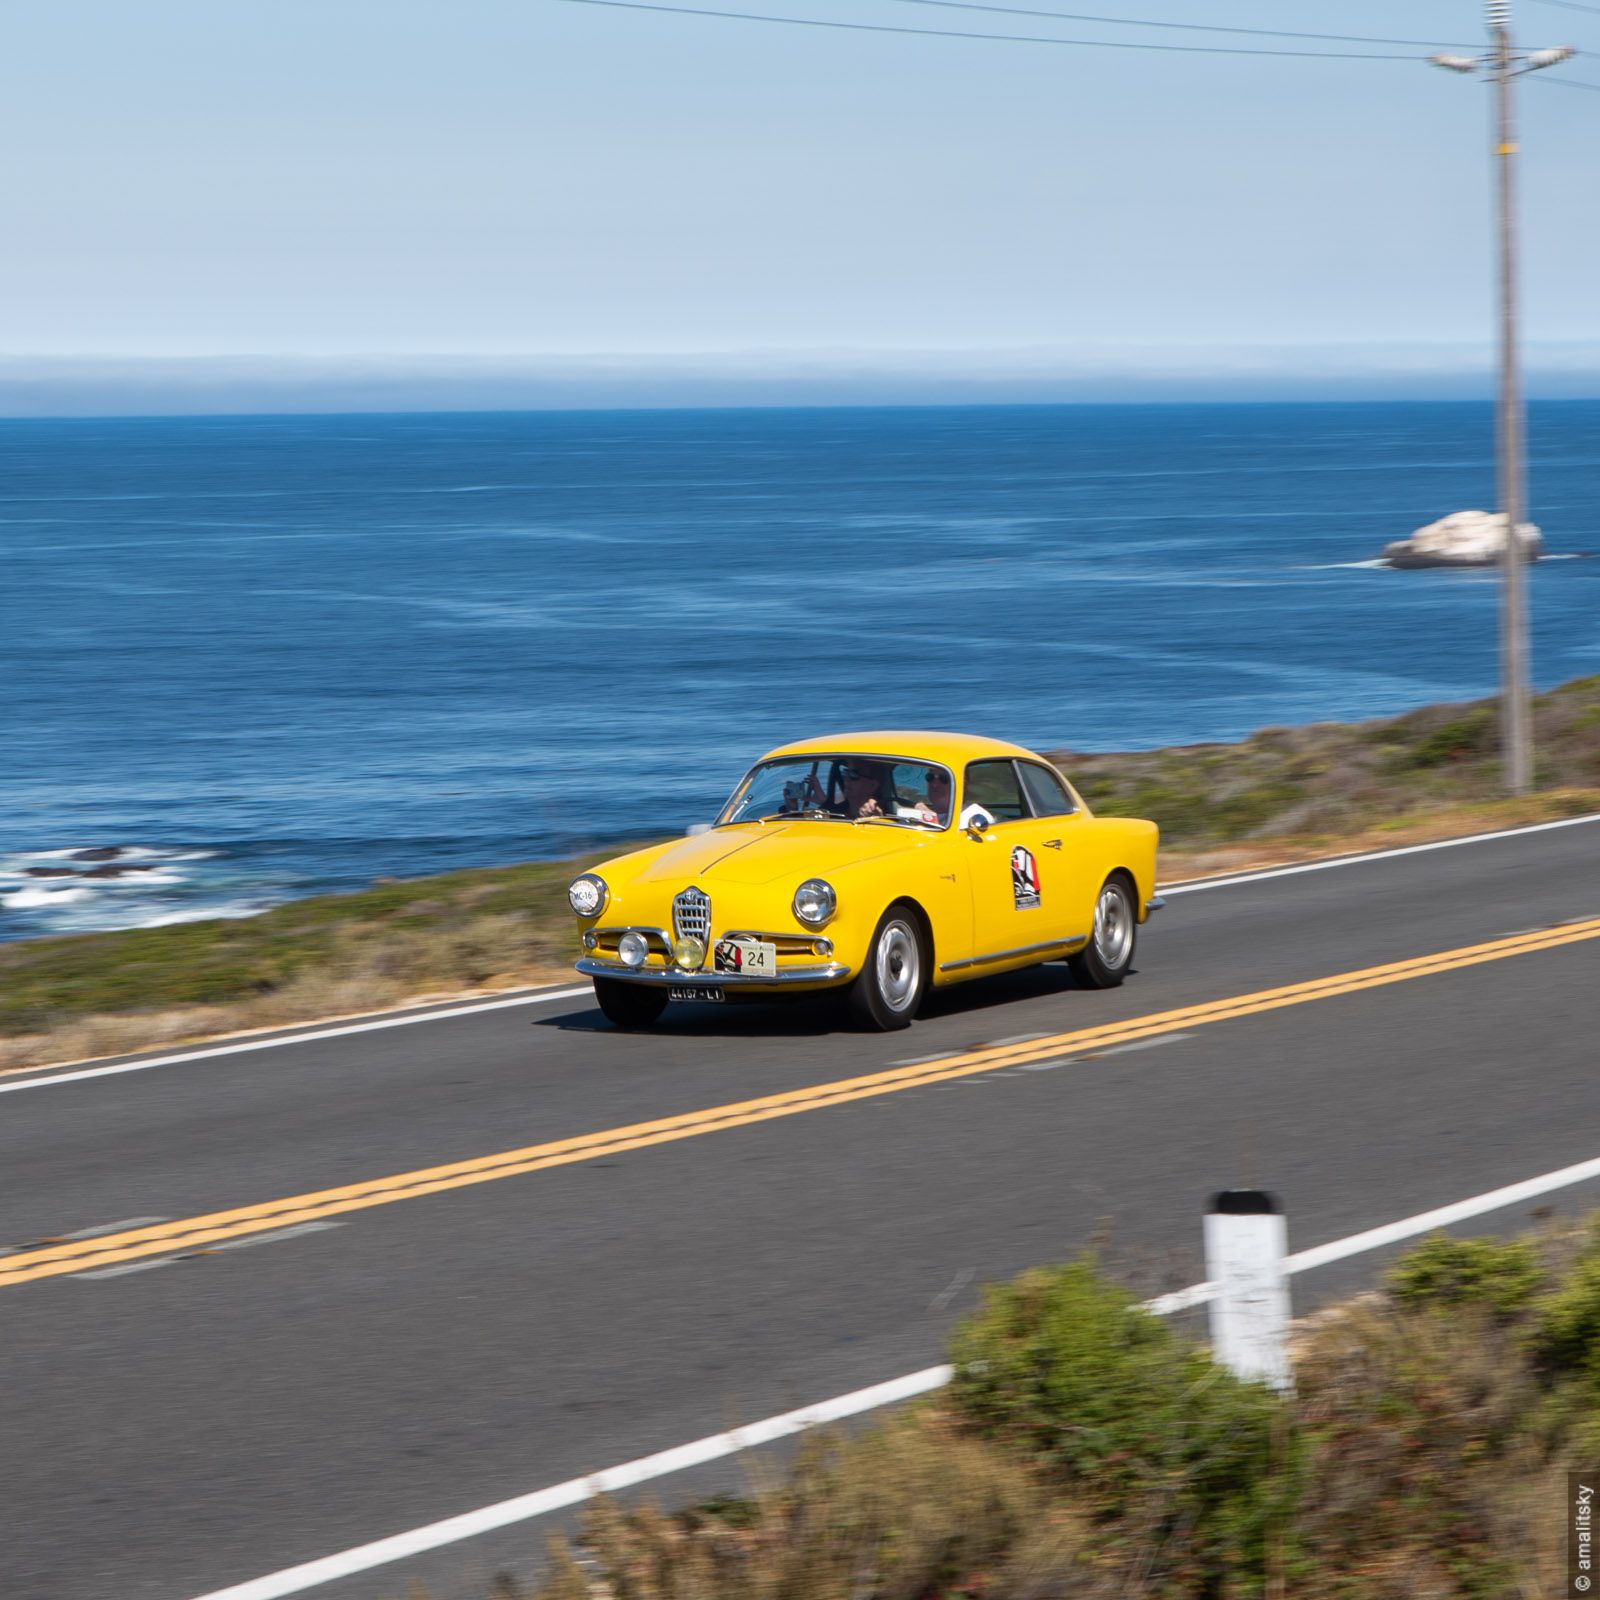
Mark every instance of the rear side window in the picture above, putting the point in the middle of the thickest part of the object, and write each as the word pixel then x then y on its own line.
pixel 1047 792
pixel 993 785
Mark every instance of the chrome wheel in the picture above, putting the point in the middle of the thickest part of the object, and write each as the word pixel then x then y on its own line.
pixel 1113 926
pixel 899 966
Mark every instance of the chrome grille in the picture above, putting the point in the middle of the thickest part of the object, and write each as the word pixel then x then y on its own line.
pixel 691 916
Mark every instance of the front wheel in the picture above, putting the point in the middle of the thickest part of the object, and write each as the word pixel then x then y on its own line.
pixel 1104 962
pixel 629 1005
pixel 889 989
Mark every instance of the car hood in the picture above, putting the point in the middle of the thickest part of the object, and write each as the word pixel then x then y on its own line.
pixel 775 851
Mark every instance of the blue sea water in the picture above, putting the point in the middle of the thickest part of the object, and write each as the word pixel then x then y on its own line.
pixel 286 655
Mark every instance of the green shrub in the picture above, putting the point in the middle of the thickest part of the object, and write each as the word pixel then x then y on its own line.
pixel 1567 1335
pixel 1501 1275
pixel 1136 1418
pixel 1462 739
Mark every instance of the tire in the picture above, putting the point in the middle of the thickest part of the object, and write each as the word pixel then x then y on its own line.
pixel 629 1005
pixel 1107 958
pixel 888 991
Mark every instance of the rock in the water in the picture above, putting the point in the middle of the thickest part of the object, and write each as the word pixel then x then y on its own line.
pixel 1463 539
pixel 48 872
pixel 117 871
pixel 104 852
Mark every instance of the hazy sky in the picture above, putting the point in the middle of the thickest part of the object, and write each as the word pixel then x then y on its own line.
pixel 504 178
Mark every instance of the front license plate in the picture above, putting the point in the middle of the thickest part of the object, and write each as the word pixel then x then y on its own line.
pixel 750 956
pixel 693 991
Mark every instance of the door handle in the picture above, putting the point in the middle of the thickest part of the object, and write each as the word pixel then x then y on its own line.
pixel 1052 844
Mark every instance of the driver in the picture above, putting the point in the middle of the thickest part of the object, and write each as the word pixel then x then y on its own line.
pixel 862 782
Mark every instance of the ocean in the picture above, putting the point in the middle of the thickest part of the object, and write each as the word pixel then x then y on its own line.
pixel 267 657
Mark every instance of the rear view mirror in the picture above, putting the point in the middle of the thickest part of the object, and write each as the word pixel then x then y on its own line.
pixel 977 826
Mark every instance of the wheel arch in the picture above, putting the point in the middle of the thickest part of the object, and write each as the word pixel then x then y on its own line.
pixel 924 927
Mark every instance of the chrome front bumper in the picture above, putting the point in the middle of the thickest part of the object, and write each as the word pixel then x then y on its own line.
pixel 823 972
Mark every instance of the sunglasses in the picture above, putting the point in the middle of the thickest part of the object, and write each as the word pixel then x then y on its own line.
pixel 855 774
pixel 937 777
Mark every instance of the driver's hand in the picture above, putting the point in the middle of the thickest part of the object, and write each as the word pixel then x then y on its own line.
pixel 870 808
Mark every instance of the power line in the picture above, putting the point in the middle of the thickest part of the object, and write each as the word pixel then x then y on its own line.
pixel 1571 83
pixel 1187 27
pixel 1572 5
pixel 996 38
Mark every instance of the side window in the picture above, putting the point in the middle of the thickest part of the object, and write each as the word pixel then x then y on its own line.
pixel 1047 792
pixel 993 785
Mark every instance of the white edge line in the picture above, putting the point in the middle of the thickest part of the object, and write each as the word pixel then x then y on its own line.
pixel 293 1580
pixel 574 1492
pixel 1227 881
pixel 1193 886
pixel 145 1064
pixel 1441 1217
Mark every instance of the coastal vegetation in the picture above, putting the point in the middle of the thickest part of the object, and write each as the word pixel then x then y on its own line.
pixel 1087 1450
pixel 1283 794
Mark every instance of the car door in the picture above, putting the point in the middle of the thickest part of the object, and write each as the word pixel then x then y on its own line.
pixel 1074 867
pixel 1021 903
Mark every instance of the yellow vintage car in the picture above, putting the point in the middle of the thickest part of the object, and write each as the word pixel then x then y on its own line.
pixel 882 863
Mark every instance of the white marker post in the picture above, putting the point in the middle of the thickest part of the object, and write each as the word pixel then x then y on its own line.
pixel 1246 1241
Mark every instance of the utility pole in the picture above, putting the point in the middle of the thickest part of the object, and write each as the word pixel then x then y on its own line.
pixel 1516 711
pixel 1516 714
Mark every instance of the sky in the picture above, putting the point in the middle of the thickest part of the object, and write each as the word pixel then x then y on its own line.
pixel 213 200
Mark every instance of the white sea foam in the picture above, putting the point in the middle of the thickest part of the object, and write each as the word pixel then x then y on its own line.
pixel 33 899
pixel 1376 564
pixel 125 852
pixel 232 909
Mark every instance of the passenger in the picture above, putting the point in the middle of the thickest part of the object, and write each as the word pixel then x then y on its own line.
pixel 938 790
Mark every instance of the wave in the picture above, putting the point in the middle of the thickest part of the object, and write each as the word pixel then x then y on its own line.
pixel 230 909
pixel 1376 564
pixel 125 853
pixel 35 899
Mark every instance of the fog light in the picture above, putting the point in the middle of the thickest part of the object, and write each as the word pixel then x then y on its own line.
pixel 590 940
pixel 822 947
pixel 689 953
pixel 633 948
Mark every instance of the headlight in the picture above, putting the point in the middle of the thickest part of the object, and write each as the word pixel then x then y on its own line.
pixel 587 894
pixel 633 948
pixel 814 901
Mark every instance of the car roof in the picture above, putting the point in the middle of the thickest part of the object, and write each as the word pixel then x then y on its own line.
pixel 914 744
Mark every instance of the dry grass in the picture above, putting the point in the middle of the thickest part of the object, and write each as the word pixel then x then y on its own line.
pixel 1281 796
pixel 312 960
pixel 1422 1457
pixel 1343 780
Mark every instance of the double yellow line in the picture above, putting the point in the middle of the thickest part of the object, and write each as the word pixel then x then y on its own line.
pixel 52 1260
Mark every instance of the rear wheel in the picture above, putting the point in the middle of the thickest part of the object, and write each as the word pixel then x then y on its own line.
pixel 1104 962
pixel 629 1005
pixel 889 989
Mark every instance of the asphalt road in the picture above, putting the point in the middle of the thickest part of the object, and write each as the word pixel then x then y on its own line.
pixel 208 1419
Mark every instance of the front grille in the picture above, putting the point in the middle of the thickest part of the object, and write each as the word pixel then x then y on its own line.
pixel 691 916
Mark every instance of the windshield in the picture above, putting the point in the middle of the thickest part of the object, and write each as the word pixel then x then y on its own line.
pixel 914 794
